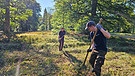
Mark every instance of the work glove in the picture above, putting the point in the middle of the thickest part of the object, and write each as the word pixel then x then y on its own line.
pixel 89 50
pixel 99 26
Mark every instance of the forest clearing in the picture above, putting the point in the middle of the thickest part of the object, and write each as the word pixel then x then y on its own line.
pixel 40 55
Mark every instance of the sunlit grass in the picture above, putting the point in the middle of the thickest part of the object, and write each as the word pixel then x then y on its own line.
pixel 42 57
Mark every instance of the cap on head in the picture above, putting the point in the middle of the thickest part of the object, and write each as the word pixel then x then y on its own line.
pixel 90 23
pixel 62 28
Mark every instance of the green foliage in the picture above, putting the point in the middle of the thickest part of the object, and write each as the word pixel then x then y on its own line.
pixel 23 13
pixel 46 20
pixel 45 23
pixel 118 15
pixel 32 22
pixel 42 28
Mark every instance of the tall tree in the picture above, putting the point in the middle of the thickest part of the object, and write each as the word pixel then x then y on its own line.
pixel 46 20
pixel 12 14
pixel 94 7
pixel 7 18
pixel 45 15
pixel 19 15
pixel 32 22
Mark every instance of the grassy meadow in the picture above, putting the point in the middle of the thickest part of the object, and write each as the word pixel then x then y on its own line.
pixel 37 54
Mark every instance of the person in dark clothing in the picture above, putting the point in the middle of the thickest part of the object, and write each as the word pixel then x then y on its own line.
pixel 61 38
pixel 98 48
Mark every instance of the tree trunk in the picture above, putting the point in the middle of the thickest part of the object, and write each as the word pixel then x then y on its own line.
pixel 94 7
pixel 7 18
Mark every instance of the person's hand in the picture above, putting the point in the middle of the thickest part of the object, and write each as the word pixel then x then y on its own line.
pixel 89 50
pixel 59 39
pixel 99 26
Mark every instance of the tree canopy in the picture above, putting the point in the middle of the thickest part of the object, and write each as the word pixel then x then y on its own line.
pixel 118 15
pixel 24 15
pixel 19 15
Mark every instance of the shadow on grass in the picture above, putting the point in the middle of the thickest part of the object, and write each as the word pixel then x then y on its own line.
pixel 79 37
pixel 45 67
pixel 48 65
pixel 74 59
pixel 81 70
pixel 107 74
pixel 9 46
pixel 119 44
pixel 115 43
pixel 2 60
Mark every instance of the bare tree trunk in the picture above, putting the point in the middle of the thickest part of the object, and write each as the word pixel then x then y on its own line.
pixel 49 24
pixel 94 7
pixel 7 19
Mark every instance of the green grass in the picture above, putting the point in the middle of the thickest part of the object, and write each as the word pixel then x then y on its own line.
pixel 40 56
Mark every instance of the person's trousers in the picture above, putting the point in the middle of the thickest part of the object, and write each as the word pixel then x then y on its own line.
pixel 97 60
pixel 61 44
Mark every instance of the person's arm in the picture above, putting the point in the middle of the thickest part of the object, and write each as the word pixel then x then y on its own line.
pixel 64 32
pixel 92 41
pixel 61 36
pixel 105 33
pixel 92 46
